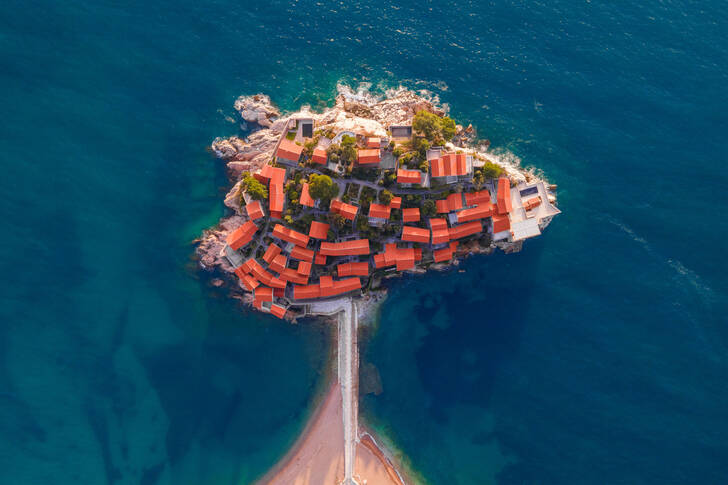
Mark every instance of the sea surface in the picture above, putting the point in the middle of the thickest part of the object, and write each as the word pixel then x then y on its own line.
pixel 598 355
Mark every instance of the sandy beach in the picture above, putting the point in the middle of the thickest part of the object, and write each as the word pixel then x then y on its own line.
pixel 317 458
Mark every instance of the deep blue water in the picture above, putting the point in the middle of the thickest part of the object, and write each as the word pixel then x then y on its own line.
pixel 597 355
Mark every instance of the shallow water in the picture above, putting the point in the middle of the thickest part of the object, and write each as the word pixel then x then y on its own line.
pixel 598 355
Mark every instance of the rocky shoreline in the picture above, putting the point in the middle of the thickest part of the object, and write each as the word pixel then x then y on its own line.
pixel 361 112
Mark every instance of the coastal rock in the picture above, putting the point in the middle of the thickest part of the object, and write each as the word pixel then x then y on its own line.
pixel 232 199
pixel 257 109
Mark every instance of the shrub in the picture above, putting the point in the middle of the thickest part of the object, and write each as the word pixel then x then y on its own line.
pixel 491 171
pixel 385 196
pixel 252 186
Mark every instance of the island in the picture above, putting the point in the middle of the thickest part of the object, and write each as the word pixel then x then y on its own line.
pixel 326 206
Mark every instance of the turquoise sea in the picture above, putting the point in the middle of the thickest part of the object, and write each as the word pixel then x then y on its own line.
pixel 598 355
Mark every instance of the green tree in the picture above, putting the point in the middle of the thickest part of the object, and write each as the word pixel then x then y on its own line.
pixel 428 124
pixel 252 186
pixel 322 187
pixel 447 128
pixel 385 196
pixel 491 171
pixel 429 208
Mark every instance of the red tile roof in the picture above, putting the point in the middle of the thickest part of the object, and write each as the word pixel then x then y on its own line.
pixel 449 164
pixel 271 252
pixel 347 211
pixel 531 203
pixel 288 150
pixel 278 310
pixel 462 230
pixel 442 206
pixel 304 268
pixel 303 254
pixel 305 196
pixel 263 293
pixel 242 235
pixel 306 292
pixel 278 264
pixel 248 281
pixel 438 223
pixel 368 156
pixel 353 269
pixel 479 197
pixel 292 275
pixel 501 223
pixel 453 202
pixel 326 287
pixel 379 211
pixel 287 234
pixel 478 212
pixel 408 176
pixel 396 203
pixel 504 196
pixel 446 253
pixel 319 259
pixel 346 248
pixel 276 198
pixel 440 231
pixel 403 258
pixel 254 210
pixel 276 175
pixel 319 156
pixel 373 142
pixel 318 230
pixel 415 234
pixel 411 215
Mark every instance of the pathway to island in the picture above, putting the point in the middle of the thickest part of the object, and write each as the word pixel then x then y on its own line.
pixel 348 378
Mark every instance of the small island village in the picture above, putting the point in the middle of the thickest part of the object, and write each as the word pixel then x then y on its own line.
pixel 332 213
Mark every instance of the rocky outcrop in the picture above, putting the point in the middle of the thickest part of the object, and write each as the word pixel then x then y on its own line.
pixel 257 110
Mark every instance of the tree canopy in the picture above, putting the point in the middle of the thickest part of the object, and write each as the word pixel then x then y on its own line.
pixel 322 187
pixel 385 196
pixel 252 186
pixel 435 129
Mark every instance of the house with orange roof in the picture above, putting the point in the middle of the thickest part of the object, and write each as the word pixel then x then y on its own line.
pixel 319 259
pixel 278 310
pixel 440 231
pixel 254 210
pixel 319 156
pixel 378 214
pixel 318 230
pixel 347 211
pixel 326 287
pixel 474 213
pixel 289 235
pixel 353 269
pixel 395 203
pixel 467 229
pixel 368 157
pixel 302 254
pixel 288 152
pixel 415 234
pixel 278 264
pixel 271 252
pixel 306 196
pixel 241 236
pixel 274 177
pixel 445 254
pixel 477 197
pixel 411 214
pixel 402 258
pixel 374 142
pixel 503 196
pixel 449 168
pixel 407 178
pixel 501 227
pixel 345 248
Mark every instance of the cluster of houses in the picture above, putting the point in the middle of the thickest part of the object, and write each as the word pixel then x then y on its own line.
pixel 297 268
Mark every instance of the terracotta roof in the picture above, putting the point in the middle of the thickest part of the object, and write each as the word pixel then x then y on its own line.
pixel 396 203
pixel 287 234
pixel 478 212
pixel 278 264
pixel 241 236
pixel 304 268
pixel 318 230
pixel 277 283
pixel 305 196
pixel 289 150
pixel 403 258
pixel 446 253
pixel 347 211
pixel 531 203
pixel 254 210
pixel 306 292
pixel 319 156
pixel 411 215
pixel 379 211
pixel 438 223
pixel 479 197
pixel 276 175
pixel 278 310
pixel 248 281
pixel 440 236
pixel 276 199
pixel 368 156
pixel 326 287
pixel 408 176
pixel 455 201
pixel 346 248
pixel 504 196
pixel 292 275
pixel 374 142
pixel 303 254
pixel 415 234
pixel 449 164
pixel 462 230
pixel 501 223
pixel 271 252
pixel 257 270
pixel 319 259
pixel 353 269
pixel 263 293
pixel 442 207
